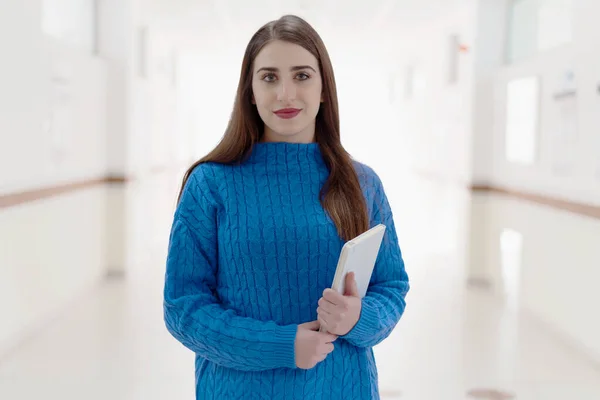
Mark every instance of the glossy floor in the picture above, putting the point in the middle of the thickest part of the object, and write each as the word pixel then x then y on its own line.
pixel 484 340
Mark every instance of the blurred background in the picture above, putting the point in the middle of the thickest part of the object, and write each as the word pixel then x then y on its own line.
pixel 482 118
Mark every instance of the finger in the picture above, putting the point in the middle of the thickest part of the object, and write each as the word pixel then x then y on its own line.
pixel 322 322
pixel 329 337
pixel 327 305
pixel 329 328
pixel 336 308
pixel 312 326
pixel 351 286
pixel 333 297
pixel 324 312
pixel 331 319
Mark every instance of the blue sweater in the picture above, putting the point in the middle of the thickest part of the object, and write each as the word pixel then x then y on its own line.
pixel 251 251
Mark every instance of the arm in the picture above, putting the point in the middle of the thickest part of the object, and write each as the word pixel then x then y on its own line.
pixel 384 302
pixel 192 312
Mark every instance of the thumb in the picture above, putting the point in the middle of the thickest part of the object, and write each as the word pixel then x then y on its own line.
pixel 351 286
pixel 311 326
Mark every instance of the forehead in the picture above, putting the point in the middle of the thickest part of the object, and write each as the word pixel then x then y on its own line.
pixel 282 55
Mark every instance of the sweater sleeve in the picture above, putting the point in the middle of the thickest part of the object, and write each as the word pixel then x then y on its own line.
pixel 384 303
pixel 192 312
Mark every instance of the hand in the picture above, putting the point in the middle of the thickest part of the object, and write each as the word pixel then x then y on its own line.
pixel 312 346
pixel 339 314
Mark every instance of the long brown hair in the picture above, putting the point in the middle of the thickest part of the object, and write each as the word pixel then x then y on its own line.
pixel 341 195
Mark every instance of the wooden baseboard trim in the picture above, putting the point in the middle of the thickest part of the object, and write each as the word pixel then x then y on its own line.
pixel 565 205
pixel 15 199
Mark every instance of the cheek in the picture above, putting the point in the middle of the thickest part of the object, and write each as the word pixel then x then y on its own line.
pixel 313 95
pixel 262 101
pixel 262 95
pixel 313 99
pixel 257 95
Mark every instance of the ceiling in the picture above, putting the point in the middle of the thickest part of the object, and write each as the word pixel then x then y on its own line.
pixel 356 30
pixel 342 16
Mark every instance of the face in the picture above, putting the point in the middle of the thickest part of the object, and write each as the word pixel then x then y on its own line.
pixel 287 91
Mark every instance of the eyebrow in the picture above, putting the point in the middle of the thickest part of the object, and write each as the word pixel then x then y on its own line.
pixel 296 68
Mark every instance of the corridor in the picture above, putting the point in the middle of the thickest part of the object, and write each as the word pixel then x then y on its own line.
pixel 457 340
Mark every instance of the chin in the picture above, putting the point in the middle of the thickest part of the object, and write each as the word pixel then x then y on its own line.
pixel 287 130
pixel 287 133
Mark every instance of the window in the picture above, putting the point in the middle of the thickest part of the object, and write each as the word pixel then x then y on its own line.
pixel 522 110
pixel 538 25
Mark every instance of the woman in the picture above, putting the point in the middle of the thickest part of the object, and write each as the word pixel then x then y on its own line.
pixel 257 232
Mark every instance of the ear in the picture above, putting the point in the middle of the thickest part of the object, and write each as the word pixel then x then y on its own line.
pixel 253 101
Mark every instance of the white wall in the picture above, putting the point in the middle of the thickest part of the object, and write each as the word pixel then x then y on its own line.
pixel 51 253
pixel 71 21
pixel 456 133
pixel 564 168
pixel 556 269
pixel 432 126
pixel 553 282
pixel 152 142
pixel 52 130
pixel 174 94
pixel 51 107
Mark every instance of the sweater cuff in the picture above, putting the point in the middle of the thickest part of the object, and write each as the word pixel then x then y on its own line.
pixel 367 322
pixel 283 349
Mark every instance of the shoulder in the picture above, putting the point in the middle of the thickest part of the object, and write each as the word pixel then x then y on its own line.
pixel 374 192
pixel 205 174
pixel 204 181
pixel 367 177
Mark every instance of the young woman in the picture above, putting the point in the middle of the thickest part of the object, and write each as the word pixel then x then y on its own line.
pixel 257 233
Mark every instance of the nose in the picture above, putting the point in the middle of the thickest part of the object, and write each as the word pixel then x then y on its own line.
pixel 286 91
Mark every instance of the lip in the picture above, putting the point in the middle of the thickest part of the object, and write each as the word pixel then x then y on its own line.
pixel 287 113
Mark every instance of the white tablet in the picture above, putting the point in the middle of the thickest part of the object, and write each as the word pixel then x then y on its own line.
pixel 359 256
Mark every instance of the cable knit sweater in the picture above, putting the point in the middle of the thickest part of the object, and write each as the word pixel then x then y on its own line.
pixel 251 251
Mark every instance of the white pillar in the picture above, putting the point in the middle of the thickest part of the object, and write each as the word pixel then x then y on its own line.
pixel 491 22
pixel 488 55
pixel 115 44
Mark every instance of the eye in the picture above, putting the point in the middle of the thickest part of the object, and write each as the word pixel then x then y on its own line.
pixel 302 76
pixel 268 77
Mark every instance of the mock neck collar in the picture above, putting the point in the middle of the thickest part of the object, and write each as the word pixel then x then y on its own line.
pixel 285 154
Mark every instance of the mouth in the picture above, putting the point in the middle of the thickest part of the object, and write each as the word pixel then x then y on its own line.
pixel 287 113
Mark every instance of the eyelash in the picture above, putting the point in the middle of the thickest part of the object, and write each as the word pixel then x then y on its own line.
pixel 301 73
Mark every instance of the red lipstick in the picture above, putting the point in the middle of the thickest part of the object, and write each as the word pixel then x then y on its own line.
pixel 287 113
